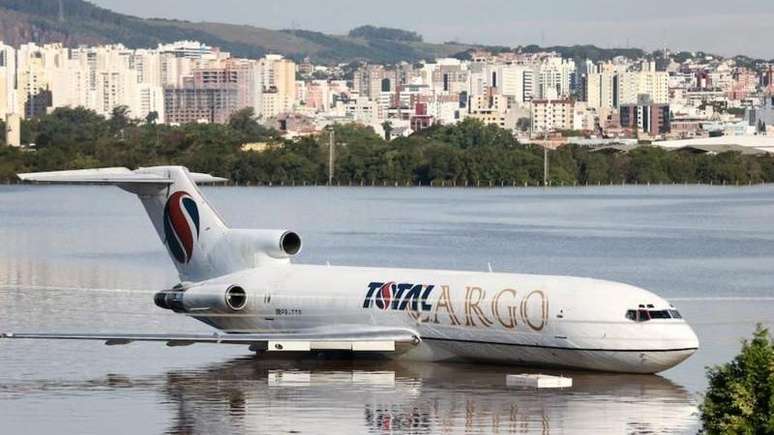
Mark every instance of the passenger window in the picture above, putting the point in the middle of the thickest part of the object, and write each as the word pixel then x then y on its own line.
pixel 631 315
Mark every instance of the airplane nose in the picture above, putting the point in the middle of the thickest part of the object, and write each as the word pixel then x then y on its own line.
pixel 692 340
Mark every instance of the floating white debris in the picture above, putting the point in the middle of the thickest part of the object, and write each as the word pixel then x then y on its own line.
pixel 538 381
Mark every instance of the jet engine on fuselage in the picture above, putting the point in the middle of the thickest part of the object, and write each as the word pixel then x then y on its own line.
pixel 211 299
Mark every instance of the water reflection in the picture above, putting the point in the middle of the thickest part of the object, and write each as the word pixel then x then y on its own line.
pixel 291 395
pixel 252 395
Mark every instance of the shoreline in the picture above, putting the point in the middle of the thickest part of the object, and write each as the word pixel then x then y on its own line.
pixel 442 185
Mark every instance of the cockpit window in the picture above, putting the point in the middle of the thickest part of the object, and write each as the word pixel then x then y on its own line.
pixel 663 314
pixel 643 315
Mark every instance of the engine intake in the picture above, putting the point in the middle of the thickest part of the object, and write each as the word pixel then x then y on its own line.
pixel 290 243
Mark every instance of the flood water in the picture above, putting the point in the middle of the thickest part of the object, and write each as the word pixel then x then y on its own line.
pixel 86 259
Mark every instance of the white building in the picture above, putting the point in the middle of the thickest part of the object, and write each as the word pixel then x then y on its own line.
pixel 554 78
pixel 278 76
pixel 552 115
pixel 516 82
pixel 647 81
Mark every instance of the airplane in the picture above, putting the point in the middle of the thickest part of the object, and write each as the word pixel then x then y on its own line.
pixel 242 283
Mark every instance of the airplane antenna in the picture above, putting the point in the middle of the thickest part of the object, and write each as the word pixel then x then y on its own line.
pixel 489 265
pixel 61 11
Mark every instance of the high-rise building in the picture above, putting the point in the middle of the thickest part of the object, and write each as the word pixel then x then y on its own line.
pixel 7 80
pixel 552 115
pixel 515 82
pixel 555 77
pixel 279 85
pixel 450 77
pixel 190 104
pixel 34 69
pixel 317 95
pixel 647 81
pixel 102 78
pixel 602 86
pixel 373 80
pixel 646 116
pixel 611 85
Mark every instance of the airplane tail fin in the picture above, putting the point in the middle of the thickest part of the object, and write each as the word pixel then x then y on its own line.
pixel 182 217
pixel 200 244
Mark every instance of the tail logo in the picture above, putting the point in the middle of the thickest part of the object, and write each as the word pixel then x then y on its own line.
pixel 181 226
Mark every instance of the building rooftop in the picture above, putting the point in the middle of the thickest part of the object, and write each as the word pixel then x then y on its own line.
pixel 743 144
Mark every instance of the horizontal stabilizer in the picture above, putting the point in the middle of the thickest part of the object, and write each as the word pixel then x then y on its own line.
pixel 112 176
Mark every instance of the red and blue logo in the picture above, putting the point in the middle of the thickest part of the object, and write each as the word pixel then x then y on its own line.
pixel 181 226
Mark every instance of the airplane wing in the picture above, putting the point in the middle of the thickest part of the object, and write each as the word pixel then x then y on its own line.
pixel 365 339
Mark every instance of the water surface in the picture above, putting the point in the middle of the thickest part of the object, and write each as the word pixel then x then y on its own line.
pixel 87 259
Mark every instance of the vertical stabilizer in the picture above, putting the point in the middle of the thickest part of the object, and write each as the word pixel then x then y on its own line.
pixel 186 223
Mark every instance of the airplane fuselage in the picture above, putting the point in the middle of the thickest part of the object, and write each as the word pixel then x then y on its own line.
pixel 509 318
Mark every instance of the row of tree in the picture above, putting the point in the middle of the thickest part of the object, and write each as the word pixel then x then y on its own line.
pixel 469 153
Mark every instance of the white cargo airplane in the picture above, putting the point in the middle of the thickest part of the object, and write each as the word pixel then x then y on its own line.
pixel 242 283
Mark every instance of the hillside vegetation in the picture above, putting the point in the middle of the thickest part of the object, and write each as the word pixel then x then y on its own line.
pixel 39 21
pixel 83 23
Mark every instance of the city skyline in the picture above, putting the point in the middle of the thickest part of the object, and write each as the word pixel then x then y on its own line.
pixel 718 27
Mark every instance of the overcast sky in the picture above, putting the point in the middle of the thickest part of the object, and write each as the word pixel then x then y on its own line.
pixel 726 27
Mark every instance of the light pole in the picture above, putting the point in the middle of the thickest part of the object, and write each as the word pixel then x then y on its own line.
pixel 331 155
pixel 545 164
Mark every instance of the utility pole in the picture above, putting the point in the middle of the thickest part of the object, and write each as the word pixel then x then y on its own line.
pixel 545 165
pixel 331 156
pixel 545 158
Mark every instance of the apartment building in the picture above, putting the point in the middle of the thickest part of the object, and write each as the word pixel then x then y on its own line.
pixel 647 117
pixel 7 80
pixel 552 115
pixel 613 85
pixel 278 78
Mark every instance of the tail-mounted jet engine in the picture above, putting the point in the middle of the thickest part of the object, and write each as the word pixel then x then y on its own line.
pixel 203 299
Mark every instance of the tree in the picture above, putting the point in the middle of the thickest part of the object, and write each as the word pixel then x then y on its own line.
pixel 524 124
pixel 244 121
pixel 470 151
pixel 386 33
pixel 152 118
pixel 740 398
pixel 387 126
pixel 119 119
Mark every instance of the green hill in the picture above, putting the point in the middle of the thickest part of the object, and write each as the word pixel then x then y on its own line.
pixel 82 22
pixel 79 22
